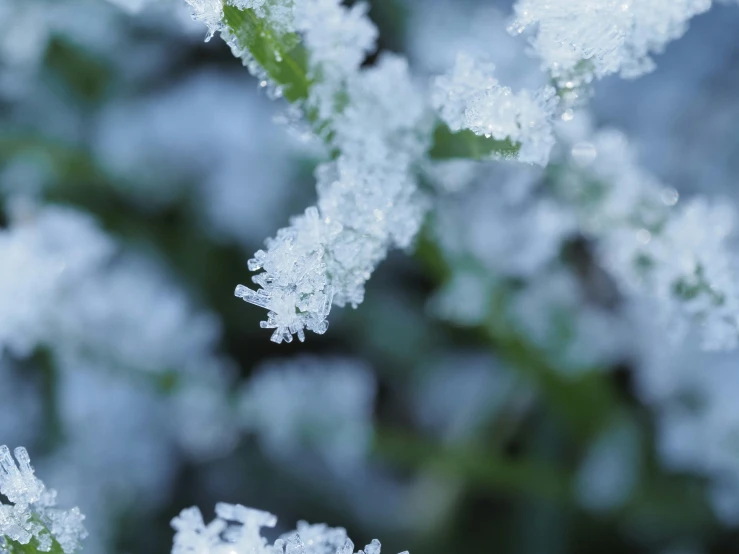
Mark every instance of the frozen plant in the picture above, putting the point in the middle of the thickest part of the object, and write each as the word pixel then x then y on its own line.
pixel 471 98
pixel 580 40
pixel 31 515
pixel 368 202
pixel 238 530
pixel 377 123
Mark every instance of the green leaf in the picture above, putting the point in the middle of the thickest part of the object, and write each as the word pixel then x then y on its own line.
pixel 280 54
pixel 466 144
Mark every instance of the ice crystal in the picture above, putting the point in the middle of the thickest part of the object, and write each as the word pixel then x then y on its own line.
pixel 368 199
pixel 209 12
pixel 325 405
pixel 368 202
pixel 237 530
pixel 337 38
pixel 578 40
pixel 471 98
pixel 31 514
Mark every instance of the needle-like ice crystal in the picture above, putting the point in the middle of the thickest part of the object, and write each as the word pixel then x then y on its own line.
pixel 31 516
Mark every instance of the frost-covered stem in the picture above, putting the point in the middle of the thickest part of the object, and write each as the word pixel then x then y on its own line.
pixel 376 124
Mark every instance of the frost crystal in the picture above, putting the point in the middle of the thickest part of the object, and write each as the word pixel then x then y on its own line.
pixel 337 38
pixel 209 12
pixel 368 202
pixel 578 40
pixel 31 514
pixel 237 530
pixel 471 98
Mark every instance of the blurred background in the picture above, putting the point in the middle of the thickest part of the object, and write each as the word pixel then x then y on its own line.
pixel 140 167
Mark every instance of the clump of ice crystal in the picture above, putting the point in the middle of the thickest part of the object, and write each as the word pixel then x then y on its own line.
pixel 237 530
pixel 31 516
pixel 471 98
pixel 368 202
pixel 579 40
pixel 368 199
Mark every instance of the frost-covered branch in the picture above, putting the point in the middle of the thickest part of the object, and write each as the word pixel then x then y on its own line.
pixel 376 122
pixel 31 516
pixel 238 530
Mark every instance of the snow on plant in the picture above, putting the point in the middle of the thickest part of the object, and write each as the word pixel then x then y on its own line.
pixel 87 300
pixel 31 516
pixel 377 125
pixel 41 255
pixel 580 40
pixel 238 530
pixel 368 199
pixel 376 121
pixel 471 98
